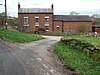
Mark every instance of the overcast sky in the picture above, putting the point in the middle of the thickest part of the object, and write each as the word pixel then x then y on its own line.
pixel 62 7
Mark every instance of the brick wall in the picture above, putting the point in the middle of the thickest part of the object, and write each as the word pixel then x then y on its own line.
pixel 31 18
pixel 76 25
pixel 63 26
pixel 58 23
pixel 92 19
pixel 67 26
pixel 97 30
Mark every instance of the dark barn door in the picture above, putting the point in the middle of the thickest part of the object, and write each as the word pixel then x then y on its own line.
pixel 93 29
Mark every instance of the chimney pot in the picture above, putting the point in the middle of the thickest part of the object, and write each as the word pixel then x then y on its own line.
pixel 18 5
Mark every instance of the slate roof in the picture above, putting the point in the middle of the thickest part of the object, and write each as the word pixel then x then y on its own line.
pixel 35 10
pixel 96 26
pixel 73 18
pixel 97 19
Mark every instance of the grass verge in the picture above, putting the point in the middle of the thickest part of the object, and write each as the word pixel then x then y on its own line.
pixel 77 60
pixel 15 36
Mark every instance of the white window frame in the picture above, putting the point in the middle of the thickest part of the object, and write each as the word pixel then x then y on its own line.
pixel 46 16
pixel 47 23
pixel 36 16
pixel 26 23
pixel 36 23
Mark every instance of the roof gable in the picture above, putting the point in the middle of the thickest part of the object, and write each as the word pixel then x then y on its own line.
pixel 35 10
pixel 73 18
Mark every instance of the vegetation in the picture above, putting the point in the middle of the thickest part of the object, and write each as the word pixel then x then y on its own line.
pixel 83 28
pixel 74 13
pixel 95 41
pixel 2 20
pixel 12 22
pixel 15 36
pixel 77 60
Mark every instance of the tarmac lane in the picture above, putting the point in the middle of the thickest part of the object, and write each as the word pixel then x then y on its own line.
pixel 9 65
pixel 33 58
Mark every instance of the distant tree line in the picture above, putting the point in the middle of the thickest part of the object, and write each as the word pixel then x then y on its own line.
pixel 74 13
pixel 12 21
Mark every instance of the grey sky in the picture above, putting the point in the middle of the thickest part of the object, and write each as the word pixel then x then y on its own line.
pixel 61 7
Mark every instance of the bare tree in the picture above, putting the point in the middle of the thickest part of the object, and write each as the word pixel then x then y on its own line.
pixel 74 13
pixel 96 15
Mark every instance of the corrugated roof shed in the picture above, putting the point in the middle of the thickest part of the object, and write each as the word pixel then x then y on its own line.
pixel 35 10
pixel 72 18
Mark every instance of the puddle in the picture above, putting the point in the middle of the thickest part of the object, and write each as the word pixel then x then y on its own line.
pixel 52 42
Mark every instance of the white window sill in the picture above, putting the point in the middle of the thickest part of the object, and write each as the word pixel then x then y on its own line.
pixel 46 24
pixel 47 30
pixel 26 25
pixel 36 25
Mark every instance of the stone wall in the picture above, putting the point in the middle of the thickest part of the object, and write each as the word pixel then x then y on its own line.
pixel 85 47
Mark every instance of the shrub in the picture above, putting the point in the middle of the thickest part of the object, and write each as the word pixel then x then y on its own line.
pixel 83 28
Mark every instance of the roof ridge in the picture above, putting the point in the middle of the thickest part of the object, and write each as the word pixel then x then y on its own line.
pixel 71 15
pixel 35 8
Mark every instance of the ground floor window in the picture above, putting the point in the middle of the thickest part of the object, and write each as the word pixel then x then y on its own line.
pixel 26 28
pixel 26 21
pixel 36 28
pixel 36 21
pixel 46 28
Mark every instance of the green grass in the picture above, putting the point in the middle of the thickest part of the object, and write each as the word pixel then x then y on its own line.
pixel 95 41
pixel 77 60
pixel 15 36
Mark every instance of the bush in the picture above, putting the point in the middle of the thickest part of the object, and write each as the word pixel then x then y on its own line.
pixel 83 28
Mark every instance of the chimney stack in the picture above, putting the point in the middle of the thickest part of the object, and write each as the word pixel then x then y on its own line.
pixel 52 6
pixel 18 5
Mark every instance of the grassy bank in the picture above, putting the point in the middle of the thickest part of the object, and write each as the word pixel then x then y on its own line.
pixel 95 41
pixel 76 60
pixel 15 36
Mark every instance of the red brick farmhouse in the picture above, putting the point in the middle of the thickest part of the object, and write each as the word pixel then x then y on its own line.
pixel 31 19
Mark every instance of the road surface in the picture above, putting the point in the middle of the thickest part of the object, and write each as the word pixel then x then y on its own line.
pixel 9 65
pixel 34 58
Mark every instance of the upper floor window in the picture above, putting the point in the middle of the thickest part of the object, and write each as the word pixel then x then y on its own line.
pixel 26 21
pixel 36 21
pixel 47 21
